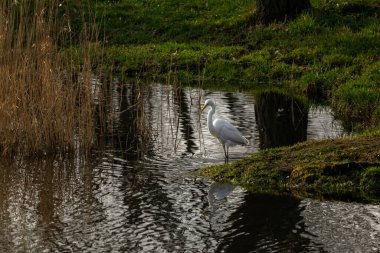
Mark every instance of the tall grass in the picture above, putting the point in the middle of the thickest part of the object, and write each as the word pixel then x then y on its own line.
pixel 45 100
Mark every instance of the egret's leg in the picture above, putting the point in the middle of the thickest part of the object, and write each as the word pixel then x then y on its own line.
pixel 225 153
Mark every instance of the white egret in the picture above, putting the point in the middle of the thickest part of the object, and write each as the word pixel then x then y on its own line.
pixel 223 130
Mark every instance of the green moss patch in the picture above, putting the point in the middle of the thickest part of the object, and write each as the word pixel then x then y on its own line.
pixel 327 167
pixel 370 183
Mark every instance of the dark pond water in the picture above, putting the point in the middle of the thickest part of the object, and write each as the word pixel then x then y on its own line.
pixel 140 195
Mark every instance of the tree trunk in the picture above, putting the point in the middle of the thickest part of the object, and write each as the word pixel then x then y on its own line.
pixel 279 10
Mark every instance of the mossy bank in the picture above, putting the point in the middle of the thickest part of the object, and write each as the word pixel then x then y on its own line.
pixel 328 168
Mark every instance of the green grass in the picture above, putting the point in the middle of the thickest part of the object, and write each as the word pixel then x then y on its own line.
pixel 370 183
pixel 361 96
pixel 329 53
pixel 142 22
pixel 156 21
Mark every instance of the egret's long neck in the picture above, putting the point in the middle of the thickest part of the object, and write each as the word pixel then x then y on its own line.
pixel 209 120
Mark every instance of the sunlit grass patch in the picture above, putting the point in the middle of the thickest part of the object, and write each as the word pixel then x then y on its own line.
pixel 360 98
pixel 304 24
pixel 370 183
pixel 337 60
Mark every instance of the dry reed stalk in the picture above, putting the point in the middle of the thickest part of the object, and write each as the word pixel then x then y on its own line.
pixel 45 104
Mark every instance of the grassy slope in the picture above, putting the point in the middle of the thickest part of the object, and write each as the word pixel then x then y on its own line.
pixel 137 22
pixel 330 53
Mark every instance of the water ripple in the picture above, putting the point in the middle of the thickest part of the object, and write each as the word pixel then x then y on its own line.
pixel 343 227
pixel 129 199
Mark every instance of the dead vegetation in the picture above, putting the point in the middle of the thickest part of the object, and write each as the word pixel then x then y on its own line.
pixel 45 100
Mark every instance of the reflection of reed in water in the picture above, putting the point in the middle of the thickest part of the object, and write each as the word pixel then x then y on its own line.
pixel 281 120
pixel 122 121
pixel 174 117
pixel 184 120
pixel 139 120
pixel 36 210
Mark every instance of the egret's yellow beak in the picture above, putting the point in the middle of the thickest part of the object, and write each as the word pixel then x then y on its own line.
pixel 203 108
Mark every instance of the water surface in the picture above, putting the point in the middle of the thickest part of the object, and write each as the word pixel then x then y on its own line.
pixel 140 195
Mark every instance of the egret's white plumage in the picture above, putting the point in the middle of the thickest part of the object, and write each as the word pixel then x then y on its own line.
pixel 223 130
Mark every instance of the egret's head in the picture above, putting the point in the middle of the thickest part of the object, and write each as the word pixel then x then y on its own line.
pixel 208 102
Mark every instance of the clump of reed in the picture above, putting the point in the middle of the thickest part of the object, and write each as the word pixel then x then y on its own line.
pixel 45 100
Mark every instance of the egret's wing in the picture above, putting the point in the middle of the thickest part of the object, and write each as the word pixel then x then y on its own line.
pixel 228 132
